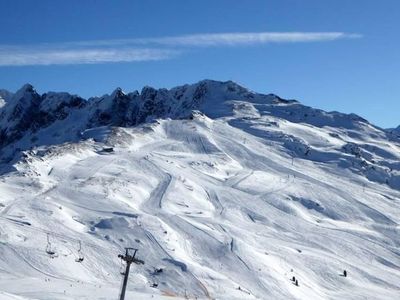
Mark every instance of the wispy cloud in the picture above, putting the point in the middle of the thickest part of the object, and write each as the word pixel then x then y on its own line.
pixel 235 39
pixel 148 49
pixel 225 39
pixel 26 57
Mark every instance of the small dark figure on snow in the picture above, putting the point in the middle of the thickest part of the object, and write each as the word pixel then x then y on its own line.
pixel 296 283
pixel 345 273
pixel 293 279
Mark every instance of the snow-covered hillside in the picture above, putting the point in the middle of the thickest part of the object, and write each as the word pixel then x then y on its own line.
pixel 227 194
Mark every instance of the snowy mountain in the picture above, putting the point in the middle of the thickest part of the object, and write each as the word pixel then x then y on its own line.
pixel 394 131
pixel 227 194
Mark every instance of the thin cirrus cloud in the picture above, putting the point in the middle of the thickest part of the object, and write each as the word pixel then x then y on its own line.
pixel 43 56
pixel 161 48
pixel 236 39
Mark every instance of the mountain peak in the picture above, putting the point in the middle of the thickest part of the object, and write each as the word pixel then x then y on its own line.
pixel 26 88
pixel 227 85
pixel 5 96
pixel 26 93
pixel 118 92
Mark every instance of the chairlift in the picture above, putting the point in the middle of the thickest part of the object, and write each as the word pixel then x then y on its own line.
pixel 80 257
pixel 49 250
pixel 122 269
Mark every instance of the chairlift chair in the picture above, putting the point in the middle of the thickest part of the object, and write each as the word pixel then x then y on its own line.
pixel 122 269
pixel 50 251
pixel 80 257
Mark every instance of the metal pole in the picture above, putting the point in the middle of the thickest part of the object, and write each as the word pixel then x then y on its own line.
pixel 128 265
pixel 129 259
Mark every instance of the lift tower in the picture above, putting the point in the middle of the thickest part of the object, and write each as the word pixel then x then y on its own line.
pixel 129 258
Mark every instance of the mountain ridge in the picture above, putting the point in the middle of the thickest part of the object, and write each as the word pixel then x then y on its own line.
pixel 131 108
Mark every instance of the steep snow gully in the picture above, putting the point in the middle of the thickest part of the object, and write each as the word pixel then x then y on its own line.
pixel 227 194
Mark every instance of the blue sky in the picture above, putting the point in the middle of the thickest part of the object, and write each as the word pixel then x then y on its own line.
pixel 332 54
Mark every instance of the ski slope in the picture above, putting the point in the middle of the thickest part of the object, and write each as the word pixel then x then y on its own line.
pixel 229 203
